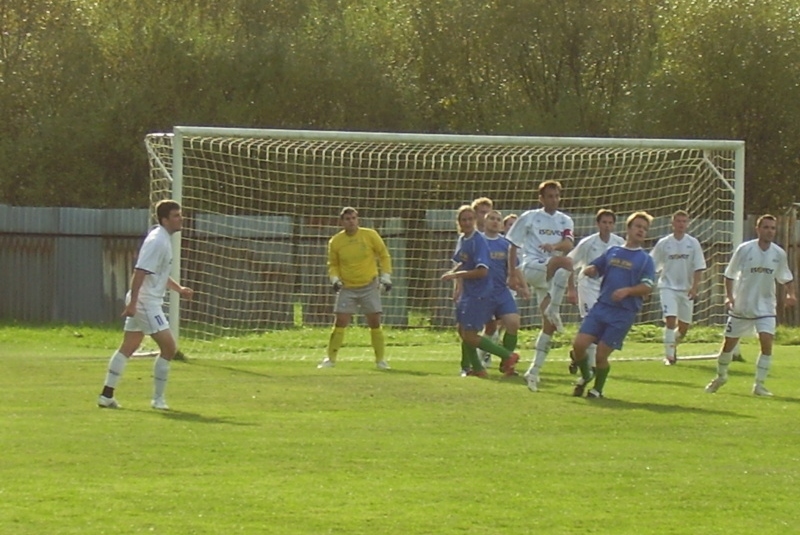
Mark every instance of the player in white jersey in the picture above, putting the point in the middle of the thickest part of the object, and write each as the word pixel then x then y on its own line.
pixel 144 303
pixel 750 297
pixel 679 260
pixel 545 236
pixel 588 288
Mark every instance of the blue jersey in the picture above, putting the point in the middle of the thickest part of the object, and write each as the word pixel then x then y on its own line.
pixel 621 267
pixel 498 261
pixel 472 252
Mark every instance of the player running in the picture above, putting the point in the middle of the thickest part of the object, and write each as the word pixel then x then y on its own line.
pixel 588 288
pixel 628 276
pixel 750 297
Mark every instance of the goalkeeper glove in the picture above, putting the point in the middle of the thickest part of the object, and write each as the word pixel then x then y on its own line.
pixel 386 282
pixel 336 284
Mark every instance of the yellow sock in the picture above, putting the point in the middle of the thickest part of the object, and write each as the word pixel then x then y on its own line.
pixel 378 343
pixel 335 343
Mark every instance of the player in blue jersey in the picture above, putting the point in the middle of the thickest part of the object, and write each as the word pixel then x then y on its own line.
pixel 474 295
pixel 504 306
pixel 628 276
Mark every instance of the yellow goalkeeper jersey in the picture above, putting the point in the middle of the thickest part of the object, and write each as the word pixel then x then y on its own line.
pixel 355 259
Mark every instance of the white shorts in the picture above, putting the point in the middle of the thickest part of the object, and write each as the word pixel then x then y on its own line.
pixel 739 327
pixel 535 275
pixel 366 299
pixel 149 319
pixel 587 297
pixel 676 303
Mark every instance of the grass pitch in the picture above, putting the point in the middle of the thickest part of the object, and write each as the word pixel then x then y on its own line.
pixel 260 441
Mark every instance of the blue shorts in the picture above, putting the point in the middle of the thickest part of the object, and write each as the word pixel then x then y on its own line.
pixel 608 324
pixel 503 303
pixel 473 313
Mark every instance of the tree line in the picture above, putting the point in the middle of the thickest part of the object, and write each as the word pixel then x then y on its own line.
pixel 82 82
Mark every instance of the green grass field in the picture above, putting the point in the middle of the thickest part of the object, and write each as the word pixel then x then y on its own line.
pixel 260 441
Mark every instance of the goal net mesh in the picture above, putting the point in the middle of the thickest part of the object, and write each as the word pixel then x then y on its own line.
pixel 261 208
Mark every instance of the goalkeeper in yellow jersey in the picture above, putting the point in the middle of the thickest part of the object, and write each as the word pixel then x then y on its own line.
pixel 354 257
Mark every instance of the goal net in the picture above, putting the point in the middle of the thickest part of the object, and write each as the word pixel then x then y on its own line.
pixel 262 204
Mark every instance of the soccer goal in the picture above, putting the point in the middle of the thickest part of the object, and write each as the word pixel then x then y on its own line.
pixel 262 204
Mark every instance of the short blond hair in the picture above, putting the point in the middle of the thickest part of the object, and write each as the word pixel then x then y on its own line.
pixel 549 184
pixel 638 215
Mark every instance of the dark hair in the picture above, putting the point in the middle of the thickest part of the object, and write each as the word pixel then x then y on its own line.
pixel 164 208
pixel 602 212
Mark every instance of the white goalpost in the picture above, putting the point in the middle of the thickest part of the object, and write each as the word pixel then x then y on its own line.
pixel 262 204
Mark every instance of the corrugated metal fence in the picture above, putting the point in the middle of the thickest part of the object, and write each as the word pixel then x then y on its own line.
pixel 68 265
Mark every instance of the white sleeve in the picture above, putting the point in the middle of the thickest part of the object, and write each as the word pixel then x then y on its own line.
pixel 733 268
pixel 784 274
pixel 699 257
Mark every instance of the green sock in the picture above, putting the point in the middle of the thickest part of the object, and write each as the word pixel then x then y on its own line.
pixel 600 378
pixel 477 365
pixel 465 364
pixel 487 345
pixel 510 341
pixel 586 371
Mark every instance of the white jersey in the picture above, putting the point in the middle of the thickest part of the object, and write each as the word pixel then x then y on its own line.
pixel 588 249
pixel 755 272
pixel 535 228
pixel 155 257
pixel 677 260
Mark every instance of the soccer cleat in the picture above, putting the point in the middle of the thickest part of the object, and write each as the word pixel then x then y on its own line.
pixel 532 379
pixel 670 362
pixel 382 365
pixel 465 372
pixel 594 394
pixel 326 363
pixel 107 403
pixel 480 373
pixel 573 366
pixel 554 318
pixel 759 390
pixel 580 387
pixel 716 384
pixel 159 404
pixel 737 357
pixel 486 358
pixel 507 366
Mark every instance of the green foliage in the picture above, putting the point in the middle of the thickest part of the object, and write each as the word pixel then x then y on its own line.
pixel 82 82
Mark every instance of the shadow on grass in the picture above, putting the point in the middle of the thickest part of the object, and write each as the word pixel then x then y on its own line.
pixel 185 416
pixel 620 404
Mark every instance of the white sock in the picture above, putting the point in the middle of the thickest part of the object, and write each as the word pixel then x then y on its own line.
pixel 160 374
pixel 558 285
pixel 591 355
pixel 762 367
pixel 116 365
pixel 723 361
pixel 669 343
pixel 542 347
